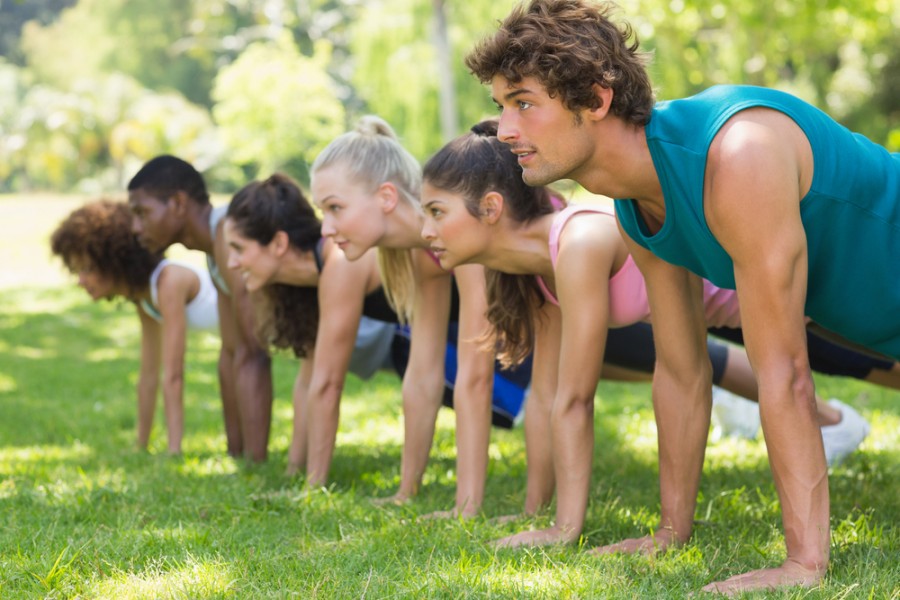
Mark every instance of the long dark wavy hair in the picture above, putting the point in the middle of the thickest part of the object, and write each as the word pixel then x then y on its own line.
pixel 289 315
pixel 97 236
pixel 473 165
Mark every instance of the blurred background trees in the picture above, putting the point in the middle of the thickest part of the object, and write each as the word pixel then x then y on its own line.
pixel 90 89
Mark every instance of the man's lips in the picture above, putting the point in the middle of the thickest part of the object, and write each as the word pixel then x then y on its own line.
pixel 523 155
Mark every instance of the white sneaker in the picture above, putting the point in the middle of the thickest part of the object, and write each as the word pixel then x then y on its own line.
pixel 733 416
pixel 842 439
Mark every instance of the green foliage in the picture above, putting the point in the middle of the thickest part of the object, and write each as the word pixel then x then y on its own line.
pixel 135 37
pixel 379 57
pixel 94 134
pixel 396 67
pixel 276 108
pixel 831 54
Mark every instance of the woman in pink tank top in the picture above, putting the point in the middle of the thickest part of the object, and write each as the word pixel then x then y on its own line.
pixel 557 284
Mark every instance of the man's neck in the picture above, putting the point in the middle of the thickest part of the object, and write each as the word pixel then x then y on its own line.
pixel 623 167
pixel 197 233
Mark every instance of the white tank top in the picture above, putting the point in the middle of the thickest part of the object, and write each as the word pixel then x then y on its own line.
pixel 202 312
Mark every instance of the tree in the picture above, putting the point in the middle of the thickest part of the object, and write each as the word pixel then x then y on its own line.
pixel 276 109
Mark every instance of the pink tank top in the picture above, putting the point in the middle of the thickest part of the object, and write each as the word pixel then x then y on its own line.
pixel 628 302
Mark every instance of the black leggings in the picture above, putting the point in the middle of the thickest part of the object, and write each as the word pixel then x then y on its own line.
pixel 632 348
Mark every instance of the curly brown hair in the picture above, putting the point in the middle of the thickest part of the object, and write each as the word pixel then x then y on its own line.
pixel 289 315
pixel 569 45
pixel 472 165
pixel 98 237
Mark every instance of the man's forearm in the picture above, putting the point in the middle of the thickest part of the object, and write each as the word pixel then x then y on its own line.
pixel 683 428
pixel 253 379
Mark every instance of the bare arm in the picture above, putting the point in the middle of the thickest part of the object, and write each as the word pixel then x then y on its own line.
pixel 757 220
pixel 681 395
pixel 148 378
pixel 251 364
pixel 472 392
pixel 538 436
pixel 587 253
pixel 423 382
pixel 300 437
pixel 174 291
pixel 227 384
pixel 342 289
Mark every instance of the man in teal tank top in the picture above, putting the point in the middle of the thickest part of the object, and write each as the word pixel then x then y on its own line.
pixel 748 187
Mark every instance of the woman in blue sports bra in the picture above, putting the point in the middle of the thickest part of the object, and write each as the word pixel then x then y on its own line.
pixel 95 242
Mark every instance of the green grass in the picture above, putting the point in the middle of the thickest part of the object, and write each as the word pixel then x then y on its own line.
pixel 86 515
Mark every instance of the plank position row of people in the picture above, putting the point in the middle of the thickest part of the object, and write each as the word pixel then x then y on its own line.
pixel 790 261
pixel 276 245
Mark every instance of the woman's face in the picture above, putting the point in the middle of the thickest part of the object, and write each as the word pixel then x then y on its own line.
pixel 454 235
pixel 257 263
pixel 351 213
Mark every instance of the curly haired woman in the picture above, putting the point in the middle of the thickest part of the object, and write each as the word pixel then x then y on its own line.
pixel 95 243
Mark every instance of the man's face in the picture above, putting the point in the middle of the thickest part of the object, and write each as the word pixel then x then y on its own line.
pixel 154 220
pixel 550 141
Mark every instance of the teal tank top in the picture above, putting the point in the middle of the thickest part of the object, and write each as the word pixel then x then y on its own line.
pixel 851 214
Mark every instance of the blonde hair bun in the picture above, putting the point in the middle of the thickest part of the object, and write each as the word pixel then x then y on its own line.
pixel 375 125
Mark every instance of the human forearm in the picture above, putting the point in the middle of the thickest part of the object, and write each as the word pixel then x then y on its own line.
pixel 421 402
pixel 472 403
pixel 323 412
pixel 797 460
pixel 682 410
pixel 147 387
pixel 253 387
pixel 572 421
pixel 539 454
pixel 173 390
pixel 230 411
pixel 300 437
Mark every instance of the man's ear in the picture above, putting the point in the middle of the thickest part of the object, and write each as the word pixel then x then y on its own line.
pixel 491 207
pixel 280 243
pixel 179 202
pixel 604 98
pixel 388 195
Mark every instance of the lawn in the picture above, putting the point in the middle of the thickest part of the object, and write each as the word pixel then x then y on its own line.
pixel 86 515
